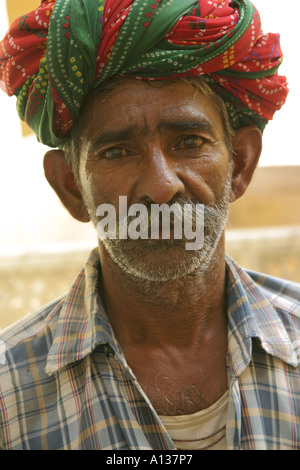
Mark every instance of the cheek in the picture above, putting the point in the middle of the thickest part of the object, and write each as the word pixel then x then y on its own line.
pixel 107 186
pixel 104 189
pixel 205 180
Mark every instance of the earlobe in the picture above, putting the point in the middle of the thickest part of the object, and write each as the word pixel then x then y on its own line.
pixel 247 147
pixel 61 178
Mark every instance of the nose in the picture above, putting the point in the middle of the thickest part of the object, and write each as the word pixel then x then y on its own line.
pixel 159 179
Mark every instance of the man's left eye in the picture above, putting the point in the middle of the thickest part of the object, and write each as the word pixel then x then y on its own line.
pixel 189 142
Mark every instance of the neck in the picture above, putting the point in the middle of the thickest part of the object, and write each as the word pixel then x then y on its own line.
pixel 175 313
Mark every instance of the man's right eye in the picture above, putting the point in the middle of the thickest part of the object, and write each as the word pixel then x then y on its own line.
pixel 114 153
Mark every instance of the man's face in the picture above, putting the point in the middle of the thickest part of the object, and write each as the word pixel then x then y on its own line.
pixel 155 145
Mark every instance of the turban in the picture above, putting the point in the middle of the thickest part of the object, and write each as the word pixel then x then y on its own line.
pixel 53 56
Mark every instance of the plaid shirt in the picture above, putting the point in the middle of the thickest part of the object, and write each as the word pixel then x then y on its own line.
pixel 65 384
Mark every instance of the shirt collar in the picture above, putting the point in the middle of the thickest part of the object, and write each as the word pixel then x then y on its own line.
pixel 82 324
pixel 253 313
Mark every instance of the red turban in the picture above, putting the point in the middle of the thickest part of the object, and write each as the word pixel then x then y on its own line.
pixel 53 56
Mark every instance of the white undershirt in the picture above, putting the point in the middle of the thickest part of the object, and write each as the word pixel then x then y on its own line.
pixel 203 430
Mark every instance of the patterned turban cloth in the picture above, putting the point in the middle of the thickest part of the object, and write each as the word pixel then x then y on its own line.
pixel 53 56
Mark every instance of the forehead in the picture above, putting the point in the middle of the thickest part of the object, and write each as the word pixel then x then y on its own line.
pixel 139 103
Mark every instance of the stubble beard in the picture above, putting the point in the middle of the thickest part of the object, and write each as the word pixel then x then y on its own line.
pixel 162 261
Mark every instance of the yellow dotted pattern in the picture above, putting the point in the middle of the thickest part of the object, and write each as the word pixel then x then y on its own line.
pixel 228 58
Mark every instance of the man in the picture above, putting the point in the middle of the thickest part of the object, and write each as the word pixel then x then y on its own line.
pixel 156 346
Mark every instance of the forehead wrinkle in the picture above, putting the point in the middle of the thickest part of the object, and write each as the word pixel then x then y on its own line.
pixel 137 118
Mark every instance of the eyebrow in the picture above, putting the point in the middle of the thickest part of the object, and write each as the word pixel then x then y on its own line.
pixel 186 125
pixel 111 137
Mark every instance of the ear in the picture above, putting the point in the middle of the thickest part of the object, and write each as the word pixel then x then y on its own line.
pixel 61 178
pixel 247 147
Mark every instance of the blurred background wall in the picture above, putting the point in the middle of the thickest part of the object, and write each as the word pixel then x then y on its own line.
pixel 42 248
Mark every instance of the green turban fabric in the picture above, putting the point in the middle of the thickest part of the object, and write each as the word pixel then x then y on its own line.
pixel 53 56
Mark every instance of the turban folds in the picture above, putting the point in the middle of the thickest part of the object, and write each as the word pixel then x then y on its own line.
pixel 53 56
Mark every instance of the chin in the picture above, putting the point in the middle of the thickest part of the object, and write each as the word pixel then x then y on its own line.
pixel 159 260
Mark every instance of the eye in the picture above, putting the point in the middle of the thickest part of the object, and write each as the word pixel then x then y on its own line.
pixel 189 142
pixel 114 153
